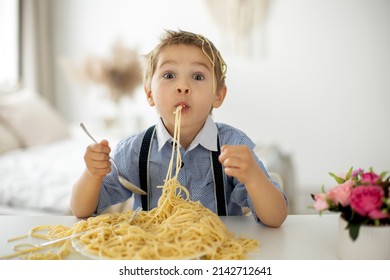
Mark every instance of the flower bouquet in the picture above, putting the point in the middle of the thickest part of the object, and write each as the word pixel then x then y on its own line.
pixel 361 197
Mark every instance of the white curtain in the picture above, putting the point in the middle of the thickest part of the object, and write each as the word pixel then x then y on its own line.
pixel 37 47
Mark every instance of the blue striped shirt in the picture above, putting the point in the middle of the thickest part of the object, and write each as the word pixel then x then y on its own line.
pixel 195 174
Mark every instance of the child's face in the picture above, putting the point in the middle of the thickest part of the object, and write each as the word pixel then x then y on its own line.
pixel 184 76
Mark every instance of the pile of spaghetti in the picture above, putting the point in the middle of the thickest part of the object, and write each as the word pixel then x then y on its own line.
pixel 177 228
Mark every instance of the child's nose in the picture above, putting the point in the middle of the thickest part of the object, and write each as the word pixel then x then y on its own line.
pixel 182 87
pixel 184 90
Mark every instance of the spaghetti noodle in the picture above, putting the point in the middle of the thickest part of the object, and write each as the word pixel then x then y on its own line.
pixel 177 228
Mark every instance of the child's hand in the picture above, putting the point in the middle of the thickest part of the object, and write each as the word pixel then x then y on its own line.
pixel 97 159
pixel 239 162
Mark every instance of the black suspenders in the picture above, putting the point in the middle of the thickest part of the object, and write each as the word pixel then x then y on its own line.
pixel 144 166
pixel 144 173
pixel 218 182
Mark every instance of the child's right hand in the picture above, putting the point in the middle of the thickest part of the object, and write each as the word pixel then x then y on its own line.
pixel 97 159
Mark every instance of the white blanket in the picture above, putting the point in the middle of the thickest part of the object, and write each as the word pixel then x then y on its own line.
pixel 41 178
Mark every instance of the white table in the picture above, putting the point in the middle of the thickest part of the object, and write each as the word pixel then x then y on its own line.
pixel 301 237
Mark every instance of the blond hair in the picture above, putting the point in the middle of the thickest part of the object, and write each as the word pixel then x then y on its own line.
pixel 180 37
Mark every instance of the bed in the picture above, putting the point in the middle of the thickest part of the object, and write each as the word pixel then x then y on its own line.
pixel 41 156
pixel 39 179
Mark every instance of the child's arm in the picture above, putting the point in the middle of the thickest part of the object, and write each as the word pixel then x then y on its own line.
pixel 269 202
pixel 86 190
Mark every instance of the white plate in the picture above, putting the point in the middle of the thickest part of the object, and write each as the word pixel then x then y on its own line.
pixel 80 248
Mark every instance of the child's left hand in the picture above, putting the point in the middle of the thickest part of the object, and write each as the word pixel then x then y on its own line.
pixel 239 162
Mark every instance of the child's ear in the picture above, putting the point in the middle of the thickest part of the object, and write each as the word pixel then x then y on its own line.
pixel 219 97
pixel 149 95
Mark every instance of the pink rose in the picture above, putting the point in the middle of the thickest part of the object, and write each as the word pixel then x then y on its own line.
pixel 340 194
pixel 369 178
pixel 320 203
pixel 367 201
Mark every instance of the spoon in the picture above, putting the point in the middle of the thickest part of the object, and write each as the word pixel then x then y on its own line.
pixel 128 185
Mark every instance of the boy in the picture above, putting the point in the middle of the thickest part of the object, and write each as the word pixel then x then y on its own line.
pixel 186 70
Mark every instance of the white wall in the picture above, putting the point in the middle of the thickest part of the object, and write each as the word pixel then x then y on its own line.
pixel 320 88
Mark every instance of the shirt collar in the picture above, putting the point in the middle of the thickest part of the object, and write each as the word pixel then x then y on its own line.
pixel 207 136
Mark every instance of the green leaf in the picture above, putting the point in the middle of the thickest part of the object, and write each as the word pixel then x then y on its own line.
pixel 353 230
pixel 338 179
pixel 383 175
pixel 349 174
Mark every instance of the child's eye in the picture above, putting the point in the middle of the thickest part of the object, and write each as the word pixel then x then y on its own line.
pixel 198 77
pixel 169 75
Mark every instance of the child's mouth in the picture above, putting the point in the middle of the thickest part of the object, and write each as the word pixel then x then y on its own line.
pixel 182 106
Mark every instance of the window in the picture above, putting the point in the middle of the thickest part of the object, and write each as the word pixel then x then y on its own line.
pixel 9 44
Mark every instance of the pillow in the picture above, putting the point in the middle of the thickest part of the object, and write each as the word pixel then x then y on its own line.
pixel 8 140
pixel 32 119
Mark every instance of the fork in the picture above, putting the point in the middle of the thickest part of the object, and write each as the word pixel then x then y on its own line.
pixel 126 183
